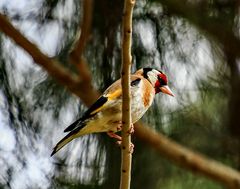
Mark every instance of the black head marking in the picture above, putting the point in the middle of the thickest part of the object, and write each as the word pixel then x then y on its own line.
pixel 145 71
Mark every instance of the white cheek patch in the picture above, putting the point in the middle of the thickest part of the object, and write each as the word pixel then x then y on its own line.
pixel 152 75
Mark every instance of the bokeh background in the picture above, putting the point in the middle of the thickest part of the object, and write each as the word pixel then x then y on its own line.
pixel 194 48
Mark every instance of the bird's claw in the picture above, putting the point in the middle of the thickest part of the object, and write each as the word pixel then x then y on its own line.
pixel 131 148
pixel 131 129
pixel 113 135
pixel 119 138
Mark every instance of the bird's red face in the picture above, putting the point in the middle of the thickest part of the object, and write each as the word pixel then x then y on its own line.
pixel 158 80
pixel 161 84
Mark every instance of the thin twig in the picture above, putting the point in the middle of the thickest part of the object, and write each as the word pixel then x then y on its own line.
pixel 126 162
pixel 52 66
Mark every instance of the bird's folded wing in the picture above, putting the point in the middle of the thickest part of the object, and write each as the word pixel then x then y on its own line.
pixel 111 94
pixel 95 108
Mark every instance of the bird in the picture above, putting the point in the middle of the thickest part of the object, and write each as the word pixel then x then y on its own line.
pixel 105 114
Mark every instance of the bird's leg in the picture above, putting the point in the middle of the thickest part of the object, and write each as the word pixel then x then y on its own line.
pixel 119 138
pixel 113 135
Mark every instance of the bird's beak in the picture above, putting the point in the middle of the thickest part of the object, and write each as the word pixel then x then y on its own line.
pixel 165 89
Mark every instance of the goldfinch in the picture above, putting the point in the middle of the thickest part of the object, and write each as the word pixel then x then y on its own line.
pixel 105 114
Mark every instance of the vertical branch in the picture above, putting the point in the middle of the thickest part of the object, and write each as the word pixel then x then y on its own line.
pixel 126 105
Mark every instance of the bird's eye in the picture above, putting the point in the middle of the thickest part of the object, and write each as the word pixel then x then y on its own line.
pixel 162 80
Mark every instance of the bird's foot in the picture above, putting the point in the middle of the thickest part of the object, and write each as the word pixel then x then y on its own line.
pixel 113 135
pixel 131 129
pixel 119 139
pixel 131 148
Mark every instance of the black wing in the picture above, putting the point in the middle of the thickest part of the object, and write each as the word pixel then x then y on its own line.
pixel 93 110
pixel 135 82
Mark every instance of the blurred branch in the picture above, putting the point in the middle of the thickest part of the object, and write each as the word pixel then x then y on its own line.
pixel 188 159
pixel 76 54
pixel 126 161
pixel 219 30
pixel 178 154
pixel 53 67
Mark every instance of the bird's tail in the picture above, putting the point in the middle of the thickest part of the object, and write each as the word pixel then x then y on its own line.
pixel 68 138
pixel 75 130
